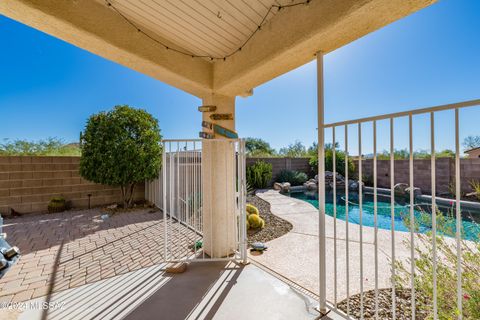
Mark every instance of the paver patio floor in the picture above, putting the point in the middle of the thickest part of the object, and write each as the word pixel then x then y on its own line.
pixel 70 249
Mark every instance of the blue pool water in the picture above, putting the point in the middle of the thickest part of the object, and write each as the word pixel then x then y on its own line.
pixel 471 228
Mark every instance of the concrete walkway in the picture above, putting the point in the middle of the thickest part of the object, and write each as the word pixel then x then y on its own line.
pixel 295 255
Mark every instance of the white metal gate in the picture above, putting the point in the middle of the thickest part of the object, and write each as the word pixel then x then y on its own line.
pixel 179 193
pixel 342 281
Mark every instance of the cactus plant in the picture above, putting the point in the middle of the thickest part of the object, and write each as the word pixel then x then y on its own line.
pixel 251 209
pixel 255 222
pixel 57 204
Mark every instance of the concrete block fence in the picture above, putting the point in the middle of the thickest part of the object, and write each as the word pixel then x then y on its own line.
pixel 28 183
pixel 445 173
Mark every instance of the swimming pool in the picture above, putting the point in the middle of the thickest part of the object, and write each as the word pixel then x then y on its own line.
pixel 471 228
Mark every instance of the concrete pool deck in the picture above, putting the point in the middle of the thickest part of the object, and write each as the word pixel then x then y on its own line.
pixel 295 254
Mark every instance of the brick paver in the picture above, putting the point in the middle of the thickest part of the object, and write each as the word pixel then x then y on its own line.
pixel 74 248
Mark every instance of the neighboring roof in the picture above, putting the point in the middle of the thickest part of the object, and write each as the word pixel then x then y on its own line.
pixel 473 149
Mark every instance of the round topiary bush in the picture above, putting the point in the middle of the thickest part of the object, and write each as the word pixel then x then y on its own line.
pixel 121 148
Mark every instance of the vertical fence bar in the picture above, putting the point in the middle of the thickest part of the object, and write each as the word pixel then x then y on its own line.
pixel 434 213
pixel 412 214
pixel 171 191
pixel 392 214
pixel 238 204
pixel 194 197
pixel 375 221
pixel 321 186
pixel 347 244
pixel 334 200
pixel 164 197
pixel 200 185
pixel 458 189
pixel 360 208
pixel 244 168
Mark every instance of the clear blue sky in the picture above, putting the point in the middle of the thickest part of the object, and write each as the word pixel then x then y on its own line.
pixel 48 88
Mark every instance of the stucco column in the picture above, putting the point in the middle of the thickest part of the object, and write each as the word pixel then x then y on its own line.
pixel 218 183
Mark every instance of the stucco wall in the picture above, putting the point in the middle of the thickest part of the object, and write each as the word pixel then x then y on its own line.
pixel 445 173
pixel 28 183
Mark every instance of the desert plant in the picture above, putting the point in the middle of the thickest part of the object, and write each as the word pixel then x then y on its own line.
pixel 446 271
pixel 475 184
pixel 251 209
pixel 57 204
pixel 121 148
pixel 250 189
pixel 259 174
pixel 255 222
pixel 295 178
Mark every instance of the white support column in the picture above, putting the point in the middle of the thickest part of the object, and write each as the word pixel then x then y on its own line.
pixel 321 186
pixel 218 174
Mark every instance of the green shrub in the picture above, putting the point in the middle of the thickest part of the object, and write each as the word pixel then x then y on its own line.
pixel 295 178
pixel 339 160
pixel 446 270
pixel 121 148
pixel 259 174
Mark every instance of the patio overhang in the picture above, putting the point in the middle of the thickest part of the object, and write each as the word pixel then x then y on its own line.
pixel 288 38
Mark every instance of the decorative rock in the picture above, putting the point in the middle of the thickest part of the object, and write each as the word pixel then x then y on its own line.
pixel 416 191
pixel 310 185
pixel 277 186
pixel 400 189
pixel 282 187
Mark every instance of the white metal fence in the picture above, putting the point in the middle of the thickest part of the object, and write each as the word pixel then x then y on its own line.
pixel 180 194
pixel 345 279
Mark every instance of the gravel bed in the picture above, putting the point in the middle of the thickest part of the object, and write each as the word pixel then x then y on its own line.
pixel 274 226
pixel 403 305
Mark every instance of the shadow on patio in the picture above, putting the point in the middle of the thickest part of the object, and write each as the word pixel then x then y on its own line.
pixel 213 290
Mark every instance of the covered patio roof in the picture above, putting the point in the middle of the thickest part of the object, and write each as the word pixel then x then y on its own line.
pixel 250 41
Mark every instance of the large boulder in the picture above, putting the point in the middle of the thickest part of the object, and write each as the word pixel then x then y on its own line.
pixel 400 190
pixel 310 185
pixel 283 187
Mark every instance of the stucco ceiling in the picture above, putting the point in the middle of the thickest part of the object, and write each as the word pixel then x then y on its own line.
pixel 212 28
